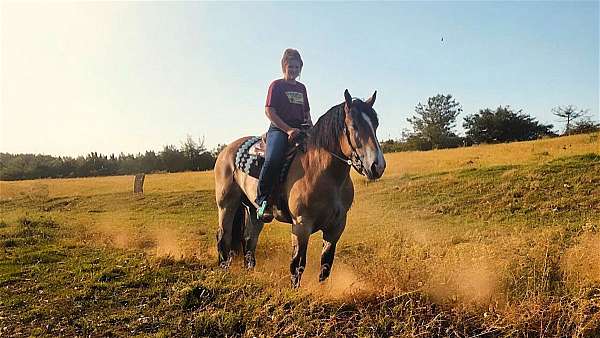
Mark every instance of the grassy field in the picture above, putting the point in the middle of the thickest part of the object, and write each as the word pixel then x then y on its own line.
pixel 498 240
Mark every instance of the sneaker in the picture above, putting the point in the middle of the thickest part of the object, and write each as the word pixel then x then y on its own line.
pixel 264 212
pixel 260 212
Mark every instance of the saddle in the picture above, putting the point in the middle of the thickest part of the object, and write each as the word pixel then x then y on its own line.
pixel 250 156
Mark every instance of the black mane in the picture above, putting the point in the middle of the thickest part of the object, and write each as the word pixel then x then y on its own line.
pixel 326 132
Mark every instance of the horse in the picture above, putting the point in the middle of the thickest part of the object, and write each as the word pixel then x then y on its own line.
pixel 318 189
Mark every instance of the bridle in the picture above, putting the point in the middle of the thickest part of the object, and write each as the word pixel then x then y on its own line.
pixel 355 160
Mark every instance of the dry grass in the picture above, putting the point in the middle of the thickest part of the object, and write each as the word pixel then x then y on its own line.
pixel 91 186
pixel 497 240
pixel 517 153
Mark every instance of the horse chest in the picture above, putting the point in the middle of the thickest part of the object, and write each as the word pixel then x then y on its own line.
pixel 321 206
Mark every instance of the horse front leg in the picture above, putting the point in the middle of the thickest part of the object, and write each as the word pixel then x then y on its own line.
pixel 330 239
pixel 300 235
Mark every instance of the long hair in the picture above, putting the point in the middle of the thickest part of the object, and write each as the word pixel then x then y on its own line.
pixel 326 132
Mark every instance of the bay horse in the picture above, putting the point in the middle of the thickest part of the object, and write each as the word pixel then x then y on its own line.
pixel 318 189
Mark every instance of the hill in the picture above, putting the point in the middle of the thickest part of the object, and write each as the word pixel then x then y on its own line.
pixel 498 240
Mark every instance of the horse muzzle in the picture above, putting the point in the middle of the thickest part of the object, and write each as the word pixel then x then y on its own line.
pixel 376 169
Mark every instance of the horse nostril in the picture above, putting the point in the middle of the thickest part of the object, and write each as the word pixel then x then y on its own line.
pixel 374 168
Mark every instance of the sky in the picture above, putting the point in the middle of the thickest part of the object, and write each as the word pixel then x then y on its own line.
pixel 128 77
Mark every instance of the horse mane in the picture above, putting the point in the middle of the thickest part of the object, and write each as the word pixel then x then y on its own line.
pixel 326 132
pixel 328 129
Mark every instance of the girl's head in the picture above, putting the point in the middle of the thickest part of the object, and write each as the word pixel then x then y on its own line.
pixel 291 64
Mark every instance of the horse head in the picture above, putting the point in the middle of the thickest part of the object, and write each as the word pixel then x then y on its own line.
pixel 360 141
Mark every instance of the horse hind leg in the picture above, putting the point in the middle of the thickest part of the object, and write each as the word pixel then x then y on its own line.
pixel 229 217
pixel 252 231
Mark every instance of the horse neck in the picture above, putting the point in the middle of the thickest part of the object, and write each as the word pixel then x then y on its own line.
pixel 319 162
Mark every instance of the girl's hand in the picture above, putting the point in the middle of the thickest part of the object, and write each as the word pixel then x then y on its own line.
pixel 292 133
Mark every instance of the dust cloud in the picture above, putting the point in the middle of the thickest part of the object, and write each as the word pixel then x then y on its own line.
pixel 463 282
pixel 343 282
pixel 461 279
pixel 159 242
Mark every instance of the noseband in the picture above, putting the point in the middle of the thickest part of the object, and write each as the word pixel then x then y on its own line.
pixel 355 160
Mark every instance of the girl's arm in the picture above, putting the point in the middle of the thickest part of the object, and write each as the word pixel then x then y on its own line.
pixel 278 122
pixel 307 118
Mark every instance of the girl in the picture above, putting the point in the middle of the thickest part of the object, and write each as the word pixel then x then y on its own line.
pixel 287 108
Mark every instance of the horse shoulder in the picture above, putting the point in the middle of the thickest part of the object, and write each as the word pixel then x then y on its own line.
pixel 347 194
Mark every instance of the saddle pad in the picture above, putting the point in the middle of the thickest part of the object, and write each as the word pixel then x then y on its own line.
pixel 247 163
pixel 251 164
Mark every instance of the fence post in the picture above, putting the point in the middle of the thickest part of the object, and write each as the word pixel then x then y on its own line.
pixel 138 184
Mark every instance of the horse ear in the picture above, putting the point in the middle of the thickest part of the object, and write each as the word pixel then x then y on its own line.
pixel 371 100
pixel 348 99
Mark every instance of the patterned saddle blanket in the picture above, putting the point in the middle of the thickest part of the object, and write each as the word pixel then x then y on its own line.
pixel 250 157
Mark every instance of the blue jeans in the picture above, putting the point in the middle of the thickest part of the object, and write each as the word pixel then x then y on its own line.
pixel 277 142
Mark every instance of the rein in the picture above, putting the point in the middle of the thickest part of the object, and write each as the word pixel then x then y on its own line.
pixel 347 161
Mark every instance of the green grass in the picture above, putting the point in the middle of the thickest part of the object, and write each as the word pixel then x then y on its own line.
pixel 505 249
pixel 90 291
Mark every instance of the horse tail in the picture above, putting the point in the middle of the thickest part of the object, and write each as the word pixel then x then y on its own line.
pixel 237 231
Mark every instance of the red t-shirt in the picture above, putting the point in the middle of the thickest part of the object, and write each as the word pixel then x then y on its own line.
pixel 290 101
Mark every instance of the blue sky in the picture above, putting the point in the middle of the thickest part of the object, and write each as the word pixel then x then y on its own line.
pixel 130 77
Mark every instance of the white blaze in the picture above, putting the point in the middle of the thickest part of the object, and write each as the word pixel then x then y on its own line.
pixel 376 154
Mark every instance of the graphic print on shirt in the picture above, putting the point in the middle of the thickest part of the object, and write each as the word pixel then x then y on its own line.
pixel 295 97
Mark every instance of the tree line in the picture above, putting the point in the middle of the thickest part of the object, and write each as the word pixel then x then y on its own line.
pixel 433 126
pixel 191 156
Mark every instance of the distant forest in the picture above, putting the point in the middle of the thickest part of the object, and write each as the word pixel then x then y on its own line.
pixel 432 128
pixel 191 156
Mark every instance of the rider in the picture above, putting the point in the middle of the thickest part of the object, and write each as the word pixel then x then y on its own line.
pixel 287 108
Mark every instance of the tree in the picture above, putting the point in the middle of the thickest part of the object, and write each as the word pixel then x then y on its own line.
pixel 127 164
pixel 172 159
pixel 193 152
pixel 150 162
pixel 503 125
pixel 217 150
pixel 585 126
pixel 434 122
pixel 568 114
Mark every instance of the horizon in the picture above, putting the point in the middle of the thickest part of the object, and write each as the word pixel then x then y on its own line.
pixel 127 78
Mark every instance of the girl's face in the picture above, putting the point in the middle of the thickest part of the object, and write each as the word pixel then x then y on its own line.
pixel 292 70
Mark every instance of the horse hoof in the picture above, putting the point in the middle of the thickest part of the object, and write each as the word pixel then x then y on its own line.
pixel 325 271
pixel 224 264
pixel 250 265
pixel 295 282
pixel 250 261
